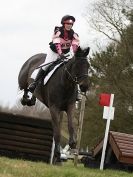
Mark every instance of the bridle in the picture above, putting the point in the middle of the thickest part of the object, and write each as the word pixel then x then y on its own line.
pixel 75 79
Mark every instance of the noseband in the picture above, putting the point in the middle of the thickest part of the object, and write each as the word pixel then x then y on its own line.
pixel 75 79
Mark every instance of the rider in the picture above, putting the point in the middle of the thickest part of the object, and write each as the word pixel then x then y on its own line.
pixel 63 40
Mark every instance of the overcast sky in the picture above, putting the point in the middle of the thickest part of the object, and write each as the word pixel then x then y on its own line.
pixel 26 28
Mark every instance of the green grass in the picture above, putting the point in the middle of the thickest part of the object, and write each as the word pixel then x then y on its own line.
pixel 21 168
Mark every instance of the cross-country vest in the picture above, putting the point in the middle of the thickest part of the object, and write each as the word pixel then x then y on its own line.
pixel 65 38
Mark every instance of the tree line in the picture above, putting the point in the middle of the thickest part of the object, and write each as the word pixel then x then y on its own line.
pixel 111 69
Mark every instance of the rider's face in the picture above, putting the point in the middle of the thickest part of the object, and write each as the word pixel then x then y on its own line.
pixel 68 26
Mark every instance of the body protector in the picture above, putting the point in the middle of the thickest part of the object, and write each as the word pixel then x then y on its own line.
pixel 62 40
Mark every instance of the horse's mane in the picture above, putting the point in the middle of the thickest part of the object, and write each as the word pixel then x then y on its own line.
pixel 77 59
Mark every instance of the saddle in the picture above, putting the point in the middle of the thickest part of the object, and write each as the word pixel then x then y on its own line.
pixel 51 66
pixel 51 69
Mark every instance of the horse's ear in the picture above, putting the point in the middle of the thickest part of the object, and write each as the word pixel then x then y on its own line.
pixel 79 50
pixel 82 53
pixel 86 51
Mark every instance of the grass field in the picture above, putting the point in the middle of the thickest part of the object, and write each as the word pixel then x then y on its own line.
pixel 21 168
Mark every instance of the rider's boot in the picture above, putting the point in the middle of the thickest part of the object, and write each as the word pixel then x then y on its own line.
pixel 39 76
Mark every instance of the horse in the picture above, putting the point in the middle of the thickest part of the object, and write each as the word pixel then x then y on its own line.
pixel 60 92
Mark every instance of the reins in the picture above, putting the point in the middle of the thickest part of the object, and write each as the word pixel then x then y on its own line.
pixel 74 79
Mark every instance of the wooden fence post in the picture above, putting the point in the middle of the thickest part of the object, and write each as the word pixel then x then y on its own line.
pixel 79 132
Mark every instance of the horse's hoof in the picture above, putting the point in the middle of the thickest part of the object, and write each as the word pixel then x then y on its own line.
pixel 57 162
pixel 31 102
pixel 72 145
pixel 23 101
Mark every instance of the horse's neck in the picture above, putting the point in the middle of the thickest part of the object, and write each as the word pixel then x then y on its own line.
pixel 68 77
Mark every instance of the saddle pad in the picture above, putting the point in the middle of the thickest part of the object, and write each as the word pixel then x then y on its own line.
pixel 51 73
pixel 34 74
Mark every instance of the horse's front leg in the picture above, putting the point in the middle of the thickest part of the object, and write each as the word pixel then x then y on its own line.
pixel 55 114
pixel 25 97
pixel 72 136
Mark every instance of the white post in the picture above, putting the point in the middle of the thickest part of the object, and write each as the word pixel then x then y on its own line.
pixel 52 152
pixel 106 133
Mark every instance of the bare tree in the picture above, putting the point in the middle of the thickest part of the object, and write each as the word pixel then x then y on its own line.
pixel 107 17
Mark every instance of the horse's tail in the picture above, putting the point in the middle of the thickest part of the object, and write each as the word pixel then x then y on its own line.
pixel 27 69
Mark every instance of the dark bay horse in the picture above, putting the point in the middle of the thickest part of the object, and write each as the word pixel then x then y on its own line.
pixel 60 93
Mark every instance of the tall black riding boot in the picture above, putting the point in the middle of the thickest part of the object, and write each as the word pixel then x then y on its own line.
pixel 39 76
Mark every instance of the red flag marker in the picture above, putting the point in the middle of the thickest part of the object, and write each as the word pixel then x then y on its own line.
pixel 104 99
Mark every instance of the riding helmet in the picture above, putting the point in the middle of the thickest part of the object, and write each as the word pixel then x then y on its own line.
pixel 67 18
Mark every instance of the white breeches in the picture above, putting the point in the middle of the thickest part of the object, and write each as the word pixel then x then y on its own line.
pixel 51 57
